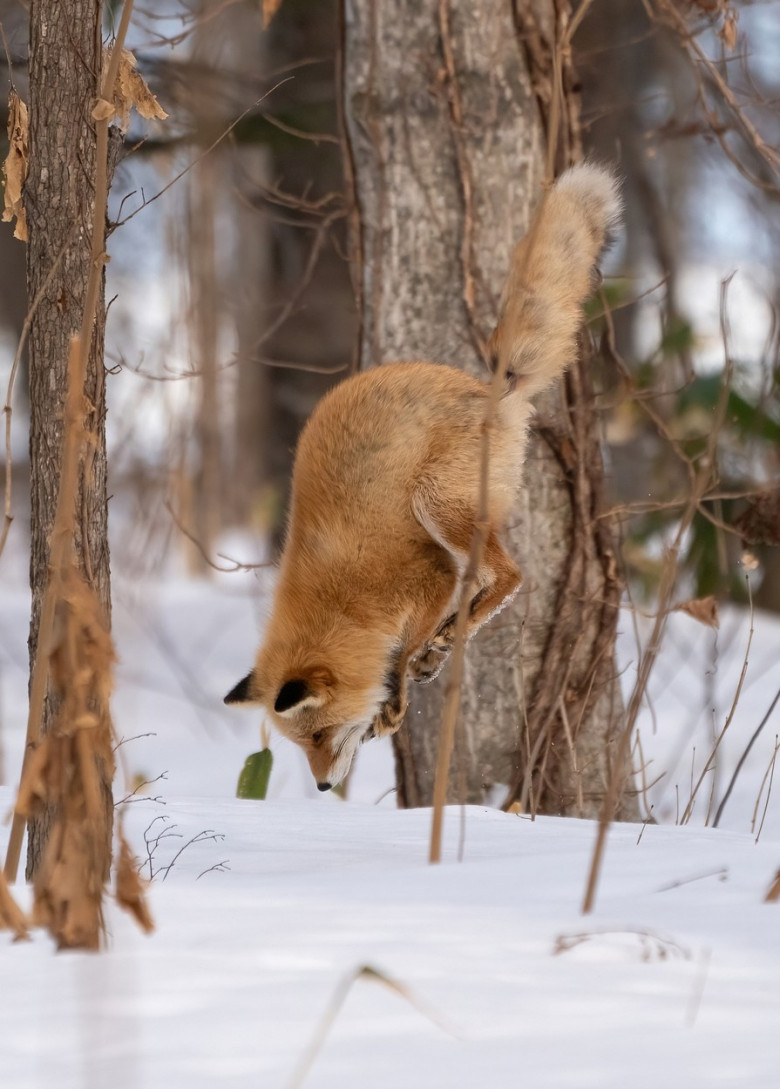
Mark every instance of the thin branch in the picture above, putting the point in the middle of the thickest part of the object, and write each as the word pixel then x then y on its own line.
pixel 743 758
pixel 236 565
pixel 334 1007
pixel 702 478
pixel 145 203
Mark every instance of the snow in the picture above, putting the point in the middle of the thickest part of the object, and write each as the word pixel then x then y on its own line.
pixel 270 911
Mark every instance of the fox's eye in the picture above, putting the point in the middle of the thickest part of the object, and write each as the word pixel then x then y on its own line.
pixel 317 737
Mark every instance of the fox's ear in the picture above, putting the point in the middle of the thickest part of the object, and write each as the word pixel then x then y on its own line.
pixel 243 691
pixel 309 689
pixel 291 694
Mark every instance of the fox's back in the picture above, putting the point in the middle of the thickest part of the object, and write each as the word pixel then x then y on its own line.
pixel 371 438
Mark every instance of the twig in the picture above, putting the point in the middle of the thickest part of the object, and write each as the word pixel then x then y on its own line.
pixel 771 773
pixel 743 758
pixel 201 837
pixel 687 812
pixel 701 481
pixel 145 203
pixel 236 565
pixel 721 874
pixel 334 1008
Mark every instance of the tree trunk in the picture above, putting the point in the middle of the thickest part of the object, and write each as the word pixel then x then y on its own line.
pixel 447 129
pixel 64 68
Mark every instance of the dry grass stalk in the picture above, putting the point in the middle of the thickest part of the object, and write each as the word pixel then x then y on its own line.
pixel 710 763
pixel 11 915
pixel 743 758
pixel 333 1009
pixel 130 886
pixel 773 893
pixel 702 478
pixel 61 563
pixel 69 770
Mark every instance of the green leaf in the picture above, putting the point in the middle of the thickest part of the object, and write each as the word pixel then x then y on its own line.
pixel 255 774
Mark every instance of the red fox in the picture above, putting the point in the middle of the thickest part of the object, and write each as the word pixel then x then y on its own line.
pixel 385 493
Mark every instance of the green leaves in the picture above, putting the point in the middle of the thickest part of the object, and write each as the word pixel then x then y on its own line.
pixel 255 774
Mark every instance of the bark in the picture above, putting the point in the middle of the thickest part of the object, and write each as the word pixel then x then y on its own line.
pixel 64 69
pixel 446 117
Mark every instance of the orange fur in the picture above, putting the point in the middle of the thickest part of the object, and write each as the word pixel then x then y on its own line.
pixel 384 498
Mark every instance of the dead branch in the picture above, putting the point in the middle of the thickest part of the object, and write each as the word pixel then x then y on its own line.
pixel 334 1007
pixel 667 13
pixel 703 477
pixel 688 811
pixel 743 758
pixel 767 781
pixel 236 565
pixel 226 132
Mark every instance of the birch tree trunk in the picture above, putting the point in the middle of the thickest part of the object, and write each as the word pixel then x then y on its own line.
pixel 446 120
pixel 64 68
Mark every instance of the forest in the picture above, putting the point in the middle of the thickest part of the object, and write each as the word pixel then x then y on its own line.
pixel 559 852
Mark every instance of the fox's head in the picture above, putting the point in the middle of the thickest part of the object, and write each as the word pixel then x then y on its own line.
pixel 328 712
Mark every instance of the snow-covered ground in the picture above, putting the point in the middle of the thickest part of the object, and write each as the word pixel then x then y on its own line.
pixel 274 906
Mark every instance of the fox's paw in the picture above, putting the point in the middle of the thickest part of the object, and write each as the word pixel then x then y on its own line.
pixel 428 663
pixel 444 639
pixel 387 720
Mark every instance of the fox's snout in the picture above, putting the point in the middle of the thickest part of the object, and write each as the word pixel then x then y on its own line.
pixel 330 758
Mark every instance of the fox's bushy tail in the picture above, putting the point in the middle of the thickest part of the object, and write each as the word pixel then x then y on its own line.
pixel 552 275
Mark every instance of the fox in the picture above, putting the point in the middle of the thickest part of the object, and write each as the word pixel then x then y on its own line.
pixel 386 492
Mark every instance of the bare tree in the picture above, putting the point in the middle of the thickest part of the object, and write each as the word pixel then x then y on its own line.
pixel 449 109
pixel 65 61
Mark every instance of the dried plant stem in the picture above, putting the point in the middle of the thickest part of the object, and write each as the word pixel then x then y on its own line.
pixel 773 893
pixel 688 811
pixel 702 480
pixel 769 775
pixel 11 915
pixel 743 758
pixel 334 1007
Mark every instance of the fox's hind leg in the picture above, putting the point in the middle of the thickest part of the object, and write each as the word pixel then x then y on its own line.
pixel 428 664
pixel 498 577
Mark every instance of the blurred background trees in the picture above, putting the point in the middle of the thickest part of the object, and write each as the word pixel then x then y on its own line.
pixel 237 297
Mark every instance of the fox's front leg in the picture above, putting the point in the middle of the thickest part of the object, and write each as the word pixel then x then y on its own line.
pixel 390 715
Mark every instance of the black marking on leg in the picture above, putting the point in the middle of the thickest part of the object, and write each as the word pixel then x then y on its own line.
pixel 394 683
pixel 476 600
